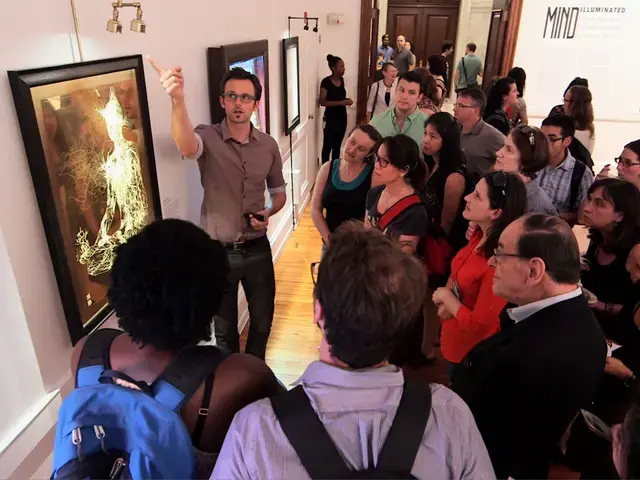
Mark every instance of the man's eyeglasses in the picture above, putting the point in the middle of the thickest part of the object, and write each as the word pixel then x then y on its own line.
pixel 626 162
pixel 498 253
pixel 556 139
pixel 373 158
pixel 460 105
pixel 232 97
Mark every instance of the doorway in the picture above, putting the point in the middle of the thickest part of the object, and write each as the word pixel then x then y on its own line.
pixel 491 24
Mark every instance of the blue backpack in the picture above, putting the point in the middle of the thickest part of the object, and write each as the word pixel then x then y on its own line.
pixel 106 430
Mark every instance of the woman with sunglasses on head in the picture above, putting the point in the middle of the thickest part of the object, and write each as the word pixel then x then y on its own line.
pixel 525 153
pixel 628 164
pixel 342 185
pixel 395 207
pixel 611 211
pixel 467 305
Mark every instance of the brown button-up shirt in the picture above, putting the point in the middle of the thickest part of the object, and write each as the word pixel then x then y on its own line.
pixel 233 175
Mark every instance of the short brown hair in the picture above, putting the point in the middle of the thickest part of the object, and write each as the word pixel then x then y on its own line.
pixel 552 240
pixel 371 293
pixel 533 147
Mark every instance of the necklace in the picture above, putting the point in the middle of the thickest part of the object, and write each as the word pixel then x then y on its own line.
pixel 391 200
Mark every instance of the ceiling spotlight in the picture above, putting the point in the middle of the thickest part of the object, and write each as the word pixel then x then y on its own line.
pixel 315 29
pixel 306 27
pixel 114 25
pixel 137 25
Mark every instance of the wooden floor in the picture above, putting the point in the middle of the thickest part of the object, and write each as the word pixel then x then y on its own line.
pixel 294 339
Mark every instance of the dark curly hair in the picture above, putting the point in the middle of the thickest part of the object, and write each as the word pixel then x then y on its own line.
pixel 167 284
pixel 371 293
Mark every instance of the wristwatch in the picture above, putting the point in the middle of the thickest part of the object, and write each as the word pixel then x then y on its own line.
pixel 630 380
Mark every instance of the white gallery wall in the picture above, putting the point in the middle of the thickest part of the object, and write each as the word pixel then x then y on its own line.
pixel 35 345
pixel 595 39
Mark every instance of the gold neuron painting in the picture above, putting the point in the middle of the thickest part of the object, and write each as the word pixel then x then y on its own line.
pixel 99 173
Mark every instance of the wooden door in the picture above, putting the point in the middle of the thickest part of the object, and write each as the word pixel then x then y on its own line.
pixel 495 46
pixel 405 21
pixel 425 26
pixel 438 24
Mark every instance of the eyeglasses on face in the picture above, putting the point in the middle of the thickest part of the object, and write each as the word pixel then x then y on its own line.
pixel 555 139
pixel 625 162
pixel 497 253
pixel 232 97
pixel 460 105
pixel 374 158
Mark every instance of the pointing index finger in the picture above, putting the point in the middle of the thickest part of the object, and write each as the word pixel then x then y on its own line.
pixel 155 66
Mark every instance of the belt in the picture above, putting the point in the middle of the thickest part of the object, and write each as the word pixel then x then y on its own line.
pixel 247 244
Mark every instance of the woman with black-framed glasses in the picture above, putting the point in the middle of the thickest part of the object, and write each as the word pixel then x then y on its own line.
pixel 525 153
pixel 627 164
pixel 467 305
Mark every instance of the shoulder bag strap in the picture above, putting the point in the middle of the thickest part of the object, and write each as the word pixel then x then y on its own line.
pixel 184 376
pixel 464 69
pixel 576 177
pixel 401 446
pixel 307 435
pixel 94 358
pixel 375 101
pixel 397 209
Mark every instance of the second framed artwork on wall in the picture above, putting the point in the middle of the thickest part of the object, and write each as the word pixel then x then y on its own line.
pixel 252 57
pixel 291 83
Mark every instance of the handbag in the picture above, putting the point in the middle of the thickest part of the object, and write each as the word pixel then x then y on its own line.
pixel 438 253
pixel 375 102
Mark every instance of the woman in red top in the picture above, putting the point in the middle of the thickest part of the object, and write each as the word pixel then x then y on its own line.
pixel 467 306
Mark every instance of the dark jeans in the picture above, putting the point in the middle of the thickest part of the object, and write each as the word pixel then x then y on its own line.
pixel 254 268
pixel 334 131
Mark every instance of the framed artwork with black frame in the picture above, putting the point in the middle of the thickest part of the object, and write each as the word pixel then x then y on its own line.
pixel 87 137
pixel 252 57
pixel 291 84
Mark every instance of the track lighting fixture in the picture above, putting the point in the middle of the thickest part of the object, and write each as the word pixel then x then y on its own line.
pixel 305 19
pixel 137 24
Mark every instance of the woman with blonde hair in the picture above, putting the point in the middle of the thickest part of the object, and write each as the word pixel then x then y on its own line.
pixel 578 105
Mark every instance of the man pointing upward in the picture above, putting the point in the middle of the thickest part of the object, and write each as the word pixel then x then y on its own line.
pixel 236 161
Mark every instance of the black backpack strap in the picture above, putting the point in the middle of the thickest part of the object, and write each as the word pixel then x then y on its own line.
pixel 203 412
pixel 405 437
pixel 184 376
pixel 94 358
pixel 307 435
pixel 576 177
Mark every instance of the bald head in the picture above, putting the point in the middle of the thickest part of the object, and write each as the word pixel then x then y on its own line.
pixel 400 42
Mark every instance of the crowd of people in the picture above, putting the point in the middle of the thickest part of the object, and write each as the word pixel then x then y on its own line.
pixel 436 230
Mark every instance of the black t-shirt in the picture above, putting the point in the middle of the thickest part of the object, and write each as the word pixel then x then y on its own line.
pixel 335 94
pixel 413 221
pixel 345 201
pixel 610 284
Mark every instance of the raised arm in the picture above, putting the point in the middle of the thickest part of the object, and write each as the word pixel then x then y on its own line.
pixel 172 81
